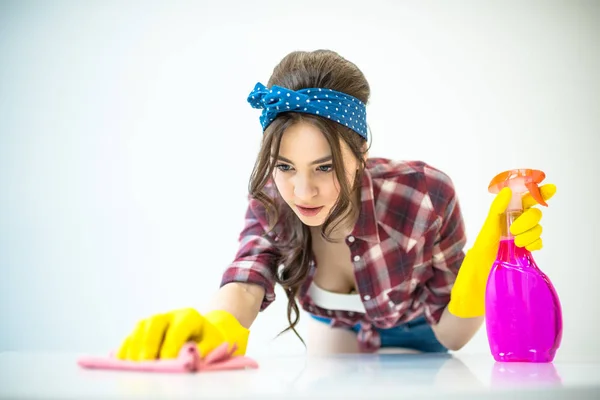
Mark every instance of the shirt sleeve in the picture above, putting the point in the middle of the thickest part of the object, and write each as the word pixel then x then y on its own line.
pixel 256 258
pixel 448 248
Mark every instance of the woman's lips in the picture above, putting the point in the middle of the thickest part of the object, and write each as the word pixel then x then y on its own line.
pixel 309 211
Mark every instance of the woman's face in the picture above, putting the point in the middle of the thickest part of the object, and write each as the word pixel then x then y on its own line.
pixel 304 172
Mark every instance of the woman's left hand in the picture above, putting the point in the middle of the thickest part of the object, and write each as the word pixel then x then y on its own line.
pixel 526 228
pixel 468 292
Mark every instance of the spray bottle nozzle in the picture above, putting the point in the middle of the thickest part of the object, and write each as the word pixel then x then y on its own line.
pixel 520 181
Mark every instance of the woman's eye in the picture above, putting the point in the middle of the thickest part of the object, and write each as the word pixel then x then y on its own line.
pixel 326 168
pixel 283 167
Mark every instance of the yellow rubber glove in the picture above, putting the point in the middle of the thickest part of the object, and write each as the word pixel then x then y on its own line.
pixel 163 335
pixel 467 297
pixel 526 229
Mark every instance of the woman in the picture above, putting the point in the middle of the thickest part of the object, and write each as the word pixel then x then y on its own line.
pixel 372 249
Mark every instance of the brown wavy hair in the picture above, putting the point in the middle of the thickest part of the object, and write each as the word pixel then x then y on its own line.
pixel 300 70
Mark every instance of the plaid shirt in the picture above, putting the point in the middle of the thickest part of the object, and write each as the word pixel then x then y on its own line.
pixel 406 247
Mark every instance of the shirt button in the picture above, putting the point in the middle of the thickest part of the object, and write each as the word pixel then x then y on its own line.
pixel 351 239
pixel 367 297
pixel 329 312
pixel 356 258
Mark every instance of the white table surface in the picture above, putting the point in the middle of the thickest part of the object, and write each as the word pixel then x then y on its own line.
pixel 400 376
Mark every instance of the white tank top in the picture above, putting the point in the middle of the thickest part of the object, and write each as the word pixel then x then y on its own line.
pixel 335 301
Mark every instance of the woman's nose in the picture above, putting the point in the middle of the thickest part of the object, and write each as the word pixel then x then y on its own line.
pixel 304 188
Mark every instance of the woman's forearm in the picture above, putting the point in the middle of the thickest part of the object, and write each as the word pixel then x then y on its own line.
pixel 242 300
pixel 454 332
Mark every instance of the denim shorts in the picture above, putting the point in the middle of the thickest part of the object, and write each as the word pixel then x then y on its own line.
pixel 416 335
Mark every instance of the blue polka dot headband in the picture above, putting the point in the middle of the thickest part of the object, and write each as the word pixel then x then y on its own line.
pixel 339 107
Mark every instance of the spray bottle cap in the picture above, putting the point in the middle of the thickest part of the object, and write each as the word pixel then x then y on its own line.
pixel 519 181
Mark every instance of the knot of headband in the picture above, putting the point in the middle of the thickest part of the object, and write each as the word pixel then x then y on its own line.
pixel 338 107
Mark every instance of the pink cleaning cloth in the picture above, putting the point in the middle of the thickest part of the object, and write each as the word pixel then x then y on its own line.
pixel 188 360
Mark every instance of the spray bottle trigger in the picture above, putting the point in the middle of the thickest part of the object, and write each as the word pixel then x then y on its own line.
pixel 535 193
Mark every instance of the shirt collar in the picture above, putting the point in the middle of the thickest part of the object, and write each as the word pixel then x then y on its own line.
pixel 366 225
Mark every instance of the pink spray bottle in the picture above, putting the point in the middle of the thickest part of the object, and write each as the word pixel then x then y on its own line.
pixel 522 310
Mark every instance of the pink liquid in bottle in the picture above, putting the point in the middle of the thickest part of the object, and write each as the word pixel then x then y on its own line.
pixel 522 309
pixel 523 312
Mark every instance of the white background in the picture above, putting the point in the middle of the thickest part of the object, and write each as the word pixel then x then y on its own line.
pixel 126 144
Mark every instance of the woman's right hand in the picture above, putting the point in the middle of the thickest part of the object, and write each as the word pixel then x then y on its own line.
pixel 163 335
